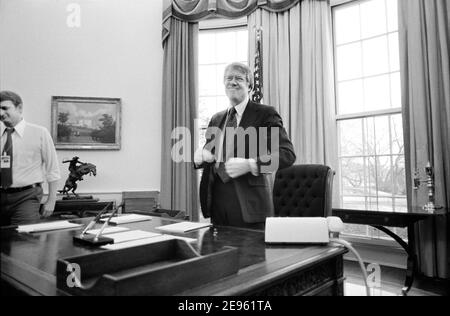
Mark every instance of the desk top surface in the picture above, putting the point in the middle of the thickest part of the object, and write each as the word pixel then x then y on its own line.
pixel 33 257
pixel 413 211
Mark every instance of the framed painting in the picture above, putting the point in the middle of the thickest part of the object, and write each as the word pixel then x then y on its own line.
pixel 86 123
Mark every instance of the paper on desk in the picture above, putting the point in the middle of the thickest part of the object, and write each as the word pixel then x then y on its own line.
pixel 145 241
pixel 108 230
pixel 131 235
pixel 35 228
pixel 129 218
pixel 183 227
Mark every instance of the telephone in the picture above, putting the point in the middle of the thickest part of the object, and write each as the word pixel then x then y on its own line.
pixel 309 230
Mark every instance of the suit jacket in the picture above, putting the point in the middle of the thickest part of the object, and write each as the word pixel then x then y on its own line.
pixel 254 192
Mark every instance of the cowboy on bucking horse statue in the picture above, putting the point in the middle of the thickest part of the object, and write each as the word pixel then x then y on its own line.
pixel 77 170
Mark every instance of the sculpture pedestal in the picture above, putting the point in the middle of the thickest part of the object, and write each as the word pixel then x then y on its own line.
pixel 82 207
pixel 80 198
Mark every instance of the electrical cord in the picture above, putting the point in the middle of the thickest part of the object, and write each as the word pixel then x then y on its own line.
pixel 361 264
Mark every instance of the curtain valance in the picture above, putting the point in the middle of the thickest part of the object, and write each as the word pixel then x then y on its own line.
pixel 196 10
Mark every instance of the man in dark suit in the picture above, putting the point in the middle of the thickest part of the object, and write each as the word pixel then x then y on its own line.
pixel 244 145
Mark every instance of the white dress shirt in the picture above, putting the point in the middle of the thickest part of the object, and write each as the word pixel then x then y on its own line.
pixel 34 155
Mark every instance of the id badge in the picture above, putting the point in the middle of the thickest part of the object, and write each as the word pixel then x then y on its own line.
pixel 5 162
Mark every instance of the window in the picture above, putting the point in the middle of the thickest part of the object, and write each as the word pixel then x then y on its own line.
pixel 368 108
pixel 217 48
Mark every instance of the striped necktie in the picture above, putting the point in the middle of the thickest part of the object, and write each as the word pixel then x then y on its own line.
pixel 227 147
pixel 8 152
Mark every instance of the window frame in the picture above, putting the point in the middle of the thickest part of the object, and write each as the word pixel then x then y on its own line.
pixel 389 112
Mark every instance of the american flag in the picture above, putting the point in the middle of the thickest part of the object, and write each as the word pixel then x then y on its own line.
pixel 258 72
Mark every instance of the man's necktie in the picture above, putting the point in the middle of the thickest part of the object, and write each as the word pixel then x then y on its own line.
pixel 227 148
pixel 8 151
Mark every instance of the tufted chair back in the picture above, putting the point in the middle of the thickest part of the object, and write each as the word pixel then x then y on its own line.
pixel 303 191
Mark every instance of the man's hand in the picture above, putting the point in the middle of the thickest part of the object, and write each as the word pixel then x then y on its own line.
pixel 49 207
pixel 236 167
pixel 202 155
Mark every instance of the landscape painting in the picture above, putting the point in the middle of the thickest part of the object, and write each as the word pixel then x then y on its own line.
pixel 86 123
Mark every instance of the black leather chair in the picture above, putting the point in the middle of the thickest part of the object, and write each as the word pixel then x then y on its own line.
pixel 303 191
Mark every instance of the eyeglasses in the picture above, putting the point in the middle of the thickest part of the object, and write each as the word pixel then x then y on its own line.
pixel 238 79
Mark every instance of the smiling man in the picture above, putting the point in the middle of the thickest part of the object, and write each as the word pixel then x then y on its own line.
pixel 28 158
pixel 235 189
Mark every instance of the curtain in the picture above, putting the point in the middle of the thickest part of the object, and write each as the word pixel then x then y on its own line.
pixel 196 10
pixel 298 76
pixel 424 35
pixel 179 102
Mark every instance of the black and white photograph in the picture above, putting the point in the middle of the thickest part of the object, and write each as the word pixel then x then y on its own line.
pixel 223 154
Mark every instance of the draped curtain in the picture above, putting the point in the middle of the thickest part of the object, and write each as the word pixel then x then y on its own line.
pixel 179 102
pixel 424 33
pixel 298 75
pixel 196 10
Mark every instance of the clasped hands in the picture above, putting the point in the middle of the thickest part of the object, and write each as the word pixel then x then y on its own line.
pixel 235 167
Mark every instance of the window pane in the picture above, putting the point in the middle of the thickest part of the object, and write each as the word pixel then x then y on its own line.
pixel 351 139
pixel 371 179
pixel 396 98
pixel 392 15
pixel 349 61
pixel 370 140
pixel 373 18
pixel 384 176
pixel 353 176
pixel 242 46
pixel 220 71
pixel 226 47
pixel 207 108
pixel 207 87
pixel 385 204
pixel 397 135
pixel 376 57
pixel 350 97
pixel 382 135
pixel 400 205
pixel 354 202
pixel 376 96
pixel 347 22
pixel 394 57
pixel 207 47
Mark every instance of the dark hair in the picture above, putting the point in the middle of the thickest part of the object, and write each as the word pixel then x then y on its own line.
pixel 244 69
pixel 10 96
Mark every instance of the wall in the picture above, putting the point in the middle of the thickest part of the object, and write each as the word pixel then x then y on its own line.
pixel 116 52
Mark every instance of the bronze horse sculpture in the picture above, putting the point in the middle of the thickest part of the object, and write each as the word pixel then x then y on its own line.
pixel 76 174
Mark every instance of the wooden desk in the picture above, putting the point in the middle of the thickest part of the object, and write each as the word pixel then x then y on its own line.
pixel 383 219
pixel 28 262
